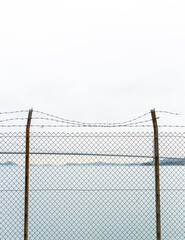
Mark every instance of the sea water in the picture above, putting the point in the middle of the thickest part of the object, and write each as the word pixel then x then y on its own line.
pixel 92 202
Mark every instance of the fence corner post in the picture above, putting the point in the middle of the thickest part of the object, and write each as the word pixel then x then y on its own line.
pixel 157 182
pixel 27 175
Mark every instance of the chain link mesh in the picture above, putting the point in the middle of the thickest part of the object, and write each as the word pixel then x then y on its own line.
pixel 172 185
pixel 92 186
pixel 12 179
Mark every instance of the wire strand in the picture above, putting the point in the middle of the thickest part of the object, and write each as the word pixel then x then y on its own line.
pixel 93 190
pixel 172 113
pixel 71 123
pixel 12 119
pixel 68 126
pixel 20 111
pixel 83 123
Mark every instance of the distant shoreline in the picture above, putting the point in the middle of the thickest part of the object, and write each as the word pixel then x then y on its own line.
pixel 165 162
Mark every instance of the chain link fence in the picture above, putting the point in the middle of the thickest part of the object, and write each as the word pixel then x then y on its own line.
pixel 12 182
pixel 92 186
pixel 172 185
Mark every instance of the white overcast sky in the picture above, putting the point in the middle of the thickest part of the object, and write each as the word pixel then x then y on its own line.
pixel 99 61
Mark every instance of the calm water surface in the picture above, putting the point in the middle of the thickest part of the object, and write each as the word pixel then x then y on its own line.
pixel 92 202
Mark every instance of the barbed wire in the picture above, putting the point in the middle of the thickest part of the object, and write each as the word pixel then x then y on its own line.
pixel 171 126
pixel 172 113
pixel 98 125
pixel 13 125
pixel 55 126
pixel 73 121
pixel 19 111
pixel 12 119
pixel 80 125
pixel 42 126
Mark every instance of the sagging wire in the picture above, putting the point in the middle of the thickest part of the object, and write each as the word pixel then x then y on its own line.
pixel 134 124
pixel 73 123
pixel 69 123
pixel 83 123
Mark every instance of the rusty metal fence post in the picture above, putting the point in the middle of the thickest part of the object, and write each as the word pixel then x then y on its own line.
pixel 157 183
pixel 27 175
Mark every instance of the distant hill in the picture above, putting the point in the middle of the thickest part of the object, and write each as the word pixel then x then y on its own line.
pixel 93 164
pixel 173 161
pixel 99 163
pixel 8 163
pixel 167 162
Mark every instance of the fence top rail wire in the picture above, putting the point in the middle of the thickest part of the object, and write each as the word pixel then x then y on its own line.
pixel 92 134
pixel 62 126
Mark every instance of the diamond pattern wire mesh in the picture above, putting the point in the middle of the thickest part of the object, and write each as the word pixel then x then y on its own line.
pixel 92 186
pixel 172 184
pixel 12 160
